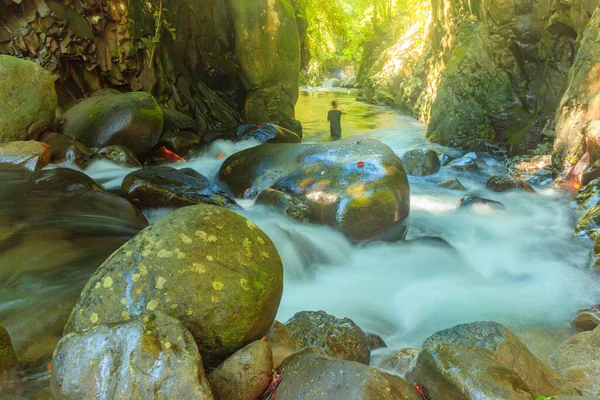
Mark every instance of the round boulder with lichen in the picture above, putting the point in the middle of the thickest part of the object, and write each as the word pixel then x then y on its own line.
pixel 209 267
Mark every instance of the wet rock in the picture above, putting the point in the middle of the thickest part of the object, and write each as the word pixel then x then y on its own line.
pixel 281 343
pixel 339 338
pixel 504 183
pixel 356 185
pixel 505 349
pixel 120 155
pixel 177 121
pixel 68 150
pixel 445 159
pixel 463 164
pixel 470 201
pixel 162 186
pixel 459 373
pixel 245 375
pixel 64 180
pixel 153 356
pixel 453 184
pixel 578 360
pixel 289 205
pixel 421 162
pixel 311 374
pixel 268 133
pixel 133 120
pixel 375 341
pixel 399 361
pixel 180 142
pixel 28 102
pixel 8 359
pixel 30 154
pixel 587 319
pixel 209 267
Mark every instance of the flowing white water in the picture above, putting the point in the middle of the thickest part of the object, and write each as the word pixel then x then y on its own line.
pixel 520 267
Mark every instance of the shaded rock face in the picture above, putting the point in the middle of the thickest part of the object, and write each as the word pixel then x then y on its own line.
pixel 180 142
pixel 154 187
pixel 30 154
pixel 27 100
pixel 339 338
pixel 578 360
pixel 453 184
pixel 421 162
pixel 501 360
pixel 289 205
pixel 358 185
pixel 268 133
pixel 464 164
pixel 120 155
pixel 153 356
pixel 504 183
pixel 375 341
pixel 399 361
pixel 247 61
pixel 281 343
pixel 132 120
pixel 334 379
pixel 8 359
pixel 245 375
pixel 209 267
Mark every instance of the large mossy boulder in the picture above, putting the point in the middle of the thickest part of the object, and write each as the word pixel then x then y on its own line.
pixel 151 356
pixel 245 375
pixel 209 267
pixel 578 360
pixel 339 338
pixel 494 349
pixel 154 187
pixel 311 374
pixel 27 99
pixel 357 185
pixel 132 120
pixel 30 154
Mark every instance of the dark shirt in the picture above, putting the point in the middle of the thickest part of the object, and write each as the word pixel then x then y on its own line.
pixel 335 122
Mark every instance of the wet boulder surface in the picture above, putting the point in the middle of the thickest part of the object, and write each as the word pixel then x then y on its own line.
pixel 151 356
pixel 209 267
pixel 504 183
pixel 179 142
pixel 339 338
pixel 311 374
pixel 268 133
pixel 356 185
pixel 29 154
pixel 163 186
pixel 133 120
pixel 421 162
pixel 67 150
pixel 119 155
pixel 290 206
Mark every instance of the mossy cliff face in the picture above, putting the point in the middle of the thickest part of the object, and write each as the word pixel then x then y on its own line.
pixel 215 67
pixel 485 72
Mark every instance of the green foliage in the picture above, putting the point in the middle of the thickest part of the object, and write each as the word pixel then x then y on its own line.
pixel 339 31
pixel 545 398
pixel 160 23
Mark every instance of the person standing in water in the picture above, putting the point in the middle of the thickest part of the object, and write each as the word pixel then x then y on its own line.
pixel 335 121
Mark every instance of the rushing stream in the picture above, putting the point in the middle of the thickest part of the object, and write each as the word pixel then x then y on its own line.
pixel 520 267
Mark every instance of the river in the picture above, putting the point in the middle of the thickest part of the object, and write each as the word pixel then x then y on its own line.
pixel 521 267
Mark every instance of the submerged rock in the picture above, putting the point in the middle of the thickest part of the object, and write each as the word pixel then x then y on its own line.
pixel 421 162
pixel 357 185
pixel 578 360
pixel 311 374
pixel 464 164
pixel 65 149
pixel 120 155
pixel 587 319
pixel 453 184
pixel 268 133
pixel 27 99
pixel 151 356
pixel 30 154
pixel 289 205
pixel 153 187
pixel 399 361
pixel 180 142
pixel 133 120
pixel 245 375
pixel 490 347
pixel 503 183
pixel 470 201
pixel 339 338
pixel 375 341
pixel 209 267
